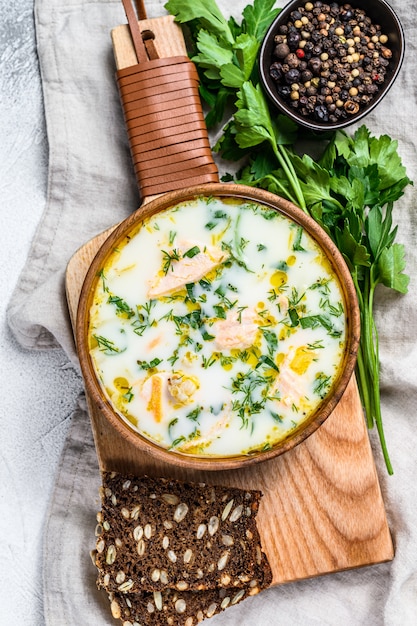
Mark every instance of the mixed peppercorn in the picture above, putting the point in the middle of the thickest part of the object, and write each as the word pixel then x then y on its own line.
pixel 329 61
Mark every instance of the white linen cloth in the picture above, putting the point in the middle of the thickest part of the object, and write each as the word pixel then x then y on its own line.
pixel 91 186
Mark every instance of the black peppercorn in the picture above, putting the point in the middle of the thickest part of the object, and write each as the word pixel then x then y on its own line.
pixel 371 89
pixel 275 71
pixel 284 91
pixel 281 51
pixel 321 113
pixel 315 37
pixel 346 15
pixel 306 76
pixel 292 76
pixel 308 48
pixel 315 65
pixel 351 107
pixel 293 40
pixel 292 60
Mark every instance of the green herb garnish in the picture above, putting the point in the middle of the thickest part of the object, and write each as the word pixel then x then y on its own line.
pixel 322 384
pixel 147 365
pixel 168 258
pixel 192 252
pixel 122 307
pixel 190 291
pixel 251 391
pixel 129 395
pixel 194 414
pixel 171 426
pixel 106 346
pixel 208 361
pixel 142 319
pixel 178 441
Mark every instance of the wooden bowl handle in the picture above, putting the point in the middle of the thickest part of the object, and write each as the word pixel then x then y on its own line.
pixel 159 92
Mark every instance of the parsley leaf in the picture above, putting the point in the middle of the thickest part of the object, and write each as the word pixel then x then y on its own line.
pixel 390 268
pixel 212 56
pixel 246 49
pixel 207 13
pixel 258 17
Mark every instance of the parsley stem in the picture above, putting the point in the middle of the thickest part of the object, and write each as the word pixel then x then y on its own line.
pixel 374 343
pixel 286 164
pixel 361 367
pixel 368 362
pixel 281 188
pixel 363 387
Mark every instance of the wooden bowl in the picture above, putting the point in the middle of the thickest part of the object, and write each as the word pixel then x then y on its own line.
pixel 380 13
pixel 240 192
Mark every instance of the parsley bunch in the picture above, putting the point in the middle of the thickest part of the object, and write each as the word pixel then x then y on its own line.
pixel 350 189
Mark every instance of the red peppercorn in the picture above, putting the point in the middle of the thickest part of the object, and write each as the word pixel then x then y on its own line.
pixel 375 77
pixel 300 53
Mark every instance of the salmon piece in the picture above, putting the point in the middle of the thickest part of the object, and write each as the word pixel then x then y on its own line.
pixel 283 304
pixel 187 269
pixel 238 330
pixel 286 386
pixel 154 342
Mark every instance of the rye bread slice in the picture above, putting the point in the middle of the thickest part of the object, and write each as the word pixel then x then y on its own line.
pixel 156 534
pixel 175 608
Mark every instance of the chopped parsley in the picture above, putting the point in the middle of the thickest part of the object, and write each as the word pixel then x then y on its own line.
pixel 122 307
pixel 147 365
pixel 192 252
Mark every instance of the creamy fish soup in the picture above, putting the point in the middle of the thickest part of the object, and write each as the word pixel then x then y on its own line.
pixel 217 327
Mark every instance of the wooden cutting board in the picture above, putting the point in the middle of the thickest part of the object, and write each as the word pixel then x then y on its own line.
pixel 322 509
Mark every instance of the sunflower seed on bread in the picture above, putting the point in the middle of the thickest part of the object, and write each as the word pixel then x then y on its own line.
pixel 159 534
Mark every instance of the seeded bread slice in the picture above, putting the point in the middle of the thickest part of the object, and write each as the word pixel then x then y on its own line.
pixel 156 534
pixel 187 608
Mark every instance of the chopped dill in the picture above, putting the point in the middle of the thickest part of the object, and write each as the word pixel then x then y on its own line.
pixel 169 258
pixel 106 346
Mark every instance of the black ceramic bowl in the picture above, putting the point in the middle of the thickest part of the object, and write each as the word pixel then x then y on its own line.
pixel 380 13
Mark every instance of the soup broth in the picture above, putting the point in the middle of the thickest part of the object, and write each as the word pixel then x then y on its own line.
pixel 217 327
